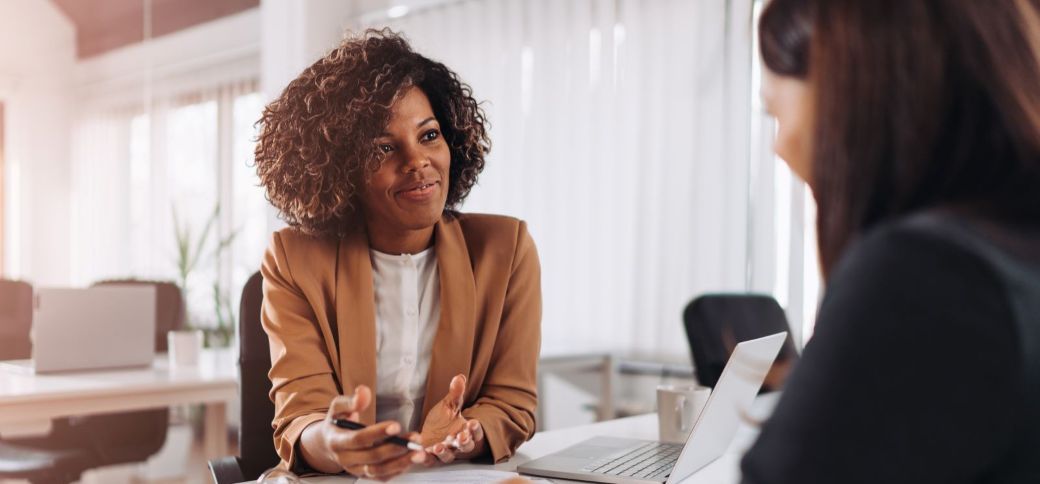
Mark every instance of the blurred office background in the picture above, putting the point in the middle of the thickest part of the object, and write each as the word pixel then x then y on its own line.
pixel 628 133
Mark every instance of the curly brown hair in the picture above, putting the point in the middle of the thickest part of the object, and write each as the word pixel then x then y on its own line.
pixel 317 143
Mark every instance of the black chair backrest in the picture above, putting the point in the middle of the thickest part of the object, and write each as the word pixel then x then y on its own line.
pixel 16 302
pixel 169 307
pixel 715 323
pixel 256 436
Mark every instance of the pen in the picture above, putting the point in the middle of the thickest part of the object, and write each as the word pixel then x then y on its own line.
pixel 351 425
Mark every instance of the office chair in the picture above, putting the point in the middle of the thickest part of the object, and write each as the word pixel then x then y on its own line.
pixel 18 460
pixel 715 323
pixel 169 307
pixel 76 444
pixel 16 305
pixel 41 466
pixel 131 436
pixel 255 436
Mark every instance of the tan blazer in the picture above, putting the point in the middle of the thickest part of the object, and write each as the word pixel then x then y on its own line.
pixel 319 313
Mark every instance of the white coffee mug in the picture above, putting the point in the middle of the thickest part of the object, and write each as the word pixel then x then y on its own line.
pixel 678 407
pixel 184 347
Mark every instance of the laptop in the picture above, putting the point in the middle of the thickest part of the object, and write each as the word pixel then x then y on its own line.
pixel 108 326
pixel 622 460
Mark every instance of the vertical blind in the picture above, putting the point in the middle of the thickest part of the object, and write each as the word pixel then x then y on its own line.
pixel 139 174
pixel 627 133
pixel 621 134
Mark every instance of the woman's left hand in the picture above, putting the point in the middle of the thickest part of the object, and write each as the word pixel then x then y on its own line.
pixel 446 434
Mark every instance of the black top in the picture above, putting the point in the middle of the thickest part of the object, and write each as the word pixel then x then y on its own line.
pixel 924 366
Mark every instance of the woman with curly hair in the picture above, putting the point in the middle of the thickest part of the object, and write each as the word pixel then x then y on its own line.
pixel 382 304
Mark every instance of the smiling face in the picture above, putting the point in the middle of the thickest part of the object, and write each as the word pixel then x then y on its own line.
pixel 409 190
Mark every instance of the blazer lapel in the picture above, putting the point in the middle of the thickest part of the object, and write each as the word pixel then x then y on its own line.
pixel 356 318
pixel 453 343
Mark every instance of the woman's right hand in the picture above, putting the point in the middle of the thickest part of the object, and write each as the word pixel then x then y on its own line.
pixel 363 453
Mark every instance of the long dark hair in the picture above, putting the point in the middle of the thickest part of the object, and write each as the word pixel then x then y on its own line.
pixel 921 104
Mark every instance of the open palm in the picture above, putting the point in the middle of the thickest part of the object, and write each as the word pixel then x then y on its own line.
pixel 446 434
pixel 445 418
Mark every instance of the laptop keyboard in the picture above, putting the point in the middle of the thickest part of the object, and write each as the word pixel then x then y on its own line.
pixel 645 461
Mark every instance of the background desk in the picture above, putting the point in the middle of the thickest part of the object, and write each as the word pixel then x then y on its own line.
pixel 724 470
pixel 28 402
pixel 609 367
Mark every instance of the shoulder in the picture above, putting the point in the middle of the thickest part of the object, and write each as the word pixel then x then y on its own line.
pixel 909 248
pixel 495 236
pixel 493 225
pixel 906 254
pixel 492 229
pixel 291 247
pixel 294 239
pixel 906 270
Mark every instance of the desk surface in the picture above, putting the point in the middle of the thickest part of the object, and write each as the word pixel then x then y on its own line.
pixel 724 470
pixel 28 402
pixel 20 387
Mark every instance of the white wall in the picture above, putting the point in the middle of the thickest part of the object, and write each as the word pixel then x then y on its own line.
pixel 295 34
pixel 217 52
pixel 37 52
pixel 620 133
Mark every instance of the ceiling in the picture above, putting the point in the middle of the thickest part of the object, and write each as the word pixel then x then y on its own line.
pixel 104 25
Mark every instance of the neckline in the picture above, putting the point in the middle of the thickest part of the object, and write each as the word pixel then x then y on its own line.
pixel 418 256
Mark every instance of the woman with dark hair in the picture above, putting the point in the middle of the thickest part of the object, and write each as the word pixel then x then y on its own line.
pixel 784 31
pixel 917 126
pixel 427 318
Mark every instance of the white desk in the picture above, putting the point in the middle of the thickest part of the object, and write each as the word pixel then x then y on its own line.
pixel 28 402
pixel 724 470
pixel 609 366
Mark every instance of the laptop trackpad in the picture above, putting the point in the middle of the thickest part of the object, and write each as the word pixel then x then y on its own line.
pixel 598 447
pixel 587 451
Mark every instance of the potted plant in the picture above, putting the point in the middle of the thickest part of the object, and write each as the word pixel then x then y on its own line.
pixel 218 329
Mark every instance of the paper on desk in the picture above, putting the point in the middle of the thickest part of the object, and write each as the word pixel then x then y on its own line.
pixel 471 476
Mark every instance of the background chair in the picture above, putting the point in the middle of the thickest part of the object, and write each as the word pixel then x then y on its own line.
pixel 130 436
pixel 76 444
pixel 255 436
pixel 18 458
pixel 170 312
pixel 15 320
pixel 715 323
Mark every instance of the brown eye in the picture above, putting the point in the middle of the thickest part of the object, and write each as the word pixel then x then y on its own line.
pixel 431 135
pixel 386 148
